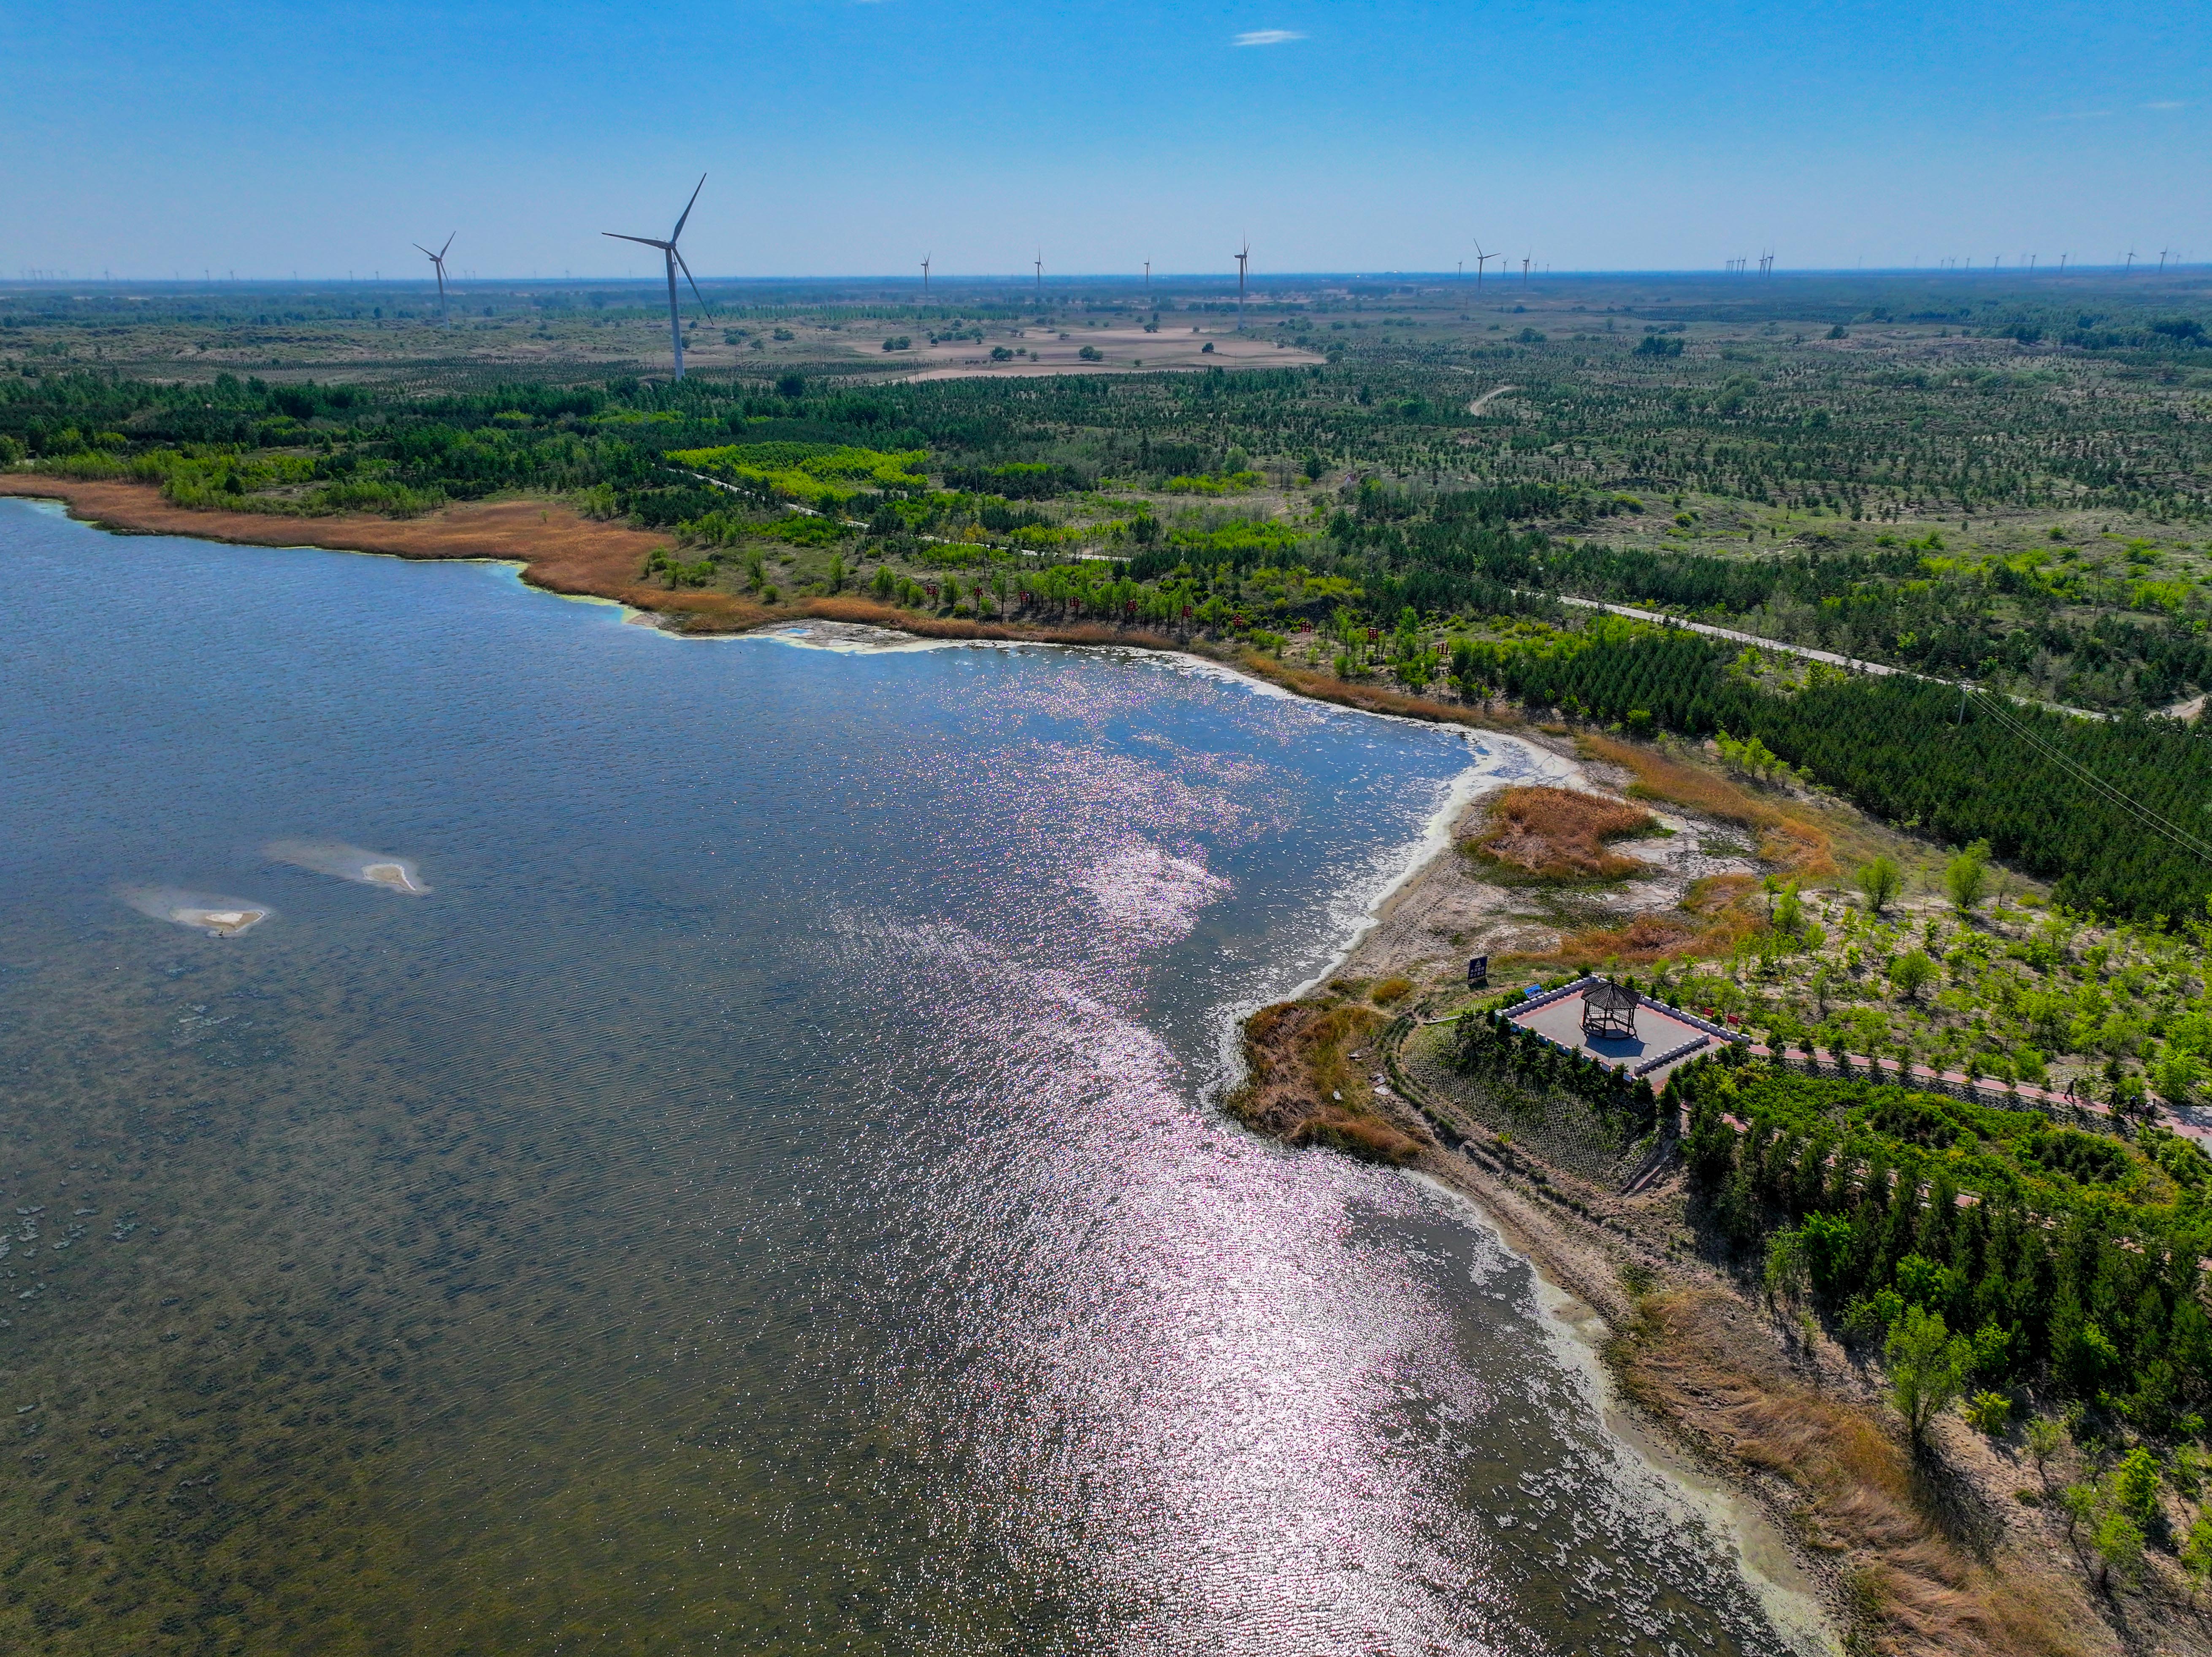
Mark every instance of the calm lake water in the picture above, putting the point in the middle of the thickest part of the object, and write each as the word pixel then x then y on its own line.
pixel 764 1195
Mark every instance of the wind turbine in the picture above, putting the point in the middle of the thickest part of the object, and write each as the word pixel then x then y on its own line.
pixel 1481 259
pixel 1039 261
pixel 1524 273
pixel 1242 258
pixel 673 259
pixel 2164 254
pixel 438 262
pixel 2129 268
pixel 925 276
pixel 1148 276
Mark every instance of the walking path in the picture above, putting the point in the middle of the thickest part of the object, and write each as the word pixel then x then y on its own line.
pixel 1849 664
pixel 2191 1120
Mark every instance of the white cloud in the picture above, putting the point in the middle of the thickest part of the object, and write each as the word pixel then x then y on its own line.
pixel 1268 37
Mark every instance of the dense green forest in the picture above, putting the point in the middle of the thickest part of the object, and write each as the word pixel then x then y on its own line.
pixel 2060 1255
pixel 1916 754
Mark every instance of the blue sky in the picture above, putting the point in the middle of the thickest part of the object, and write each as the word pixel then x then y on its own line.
pixel 853 136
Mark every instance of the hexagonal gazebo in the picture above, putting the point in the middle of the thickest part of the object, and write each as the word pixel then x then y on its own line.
pixel 1609 1012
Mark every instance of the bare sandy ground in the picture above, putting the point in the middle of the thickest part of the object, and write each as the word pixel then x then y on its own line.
pixel 1123 351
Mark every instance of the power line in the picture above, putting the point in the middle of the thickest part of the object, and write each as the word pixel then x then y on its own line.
pixel 2157 822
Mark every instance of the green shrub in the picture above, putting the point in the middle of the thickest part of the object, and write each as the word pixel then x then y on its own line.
pixel 1988 1412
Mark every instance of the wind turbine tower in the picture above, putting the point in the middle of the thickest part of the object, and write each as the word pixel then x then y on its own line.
pixel 925 277
pixel 1148 276
pixel 1039 261
pixel 673 259
pixel 1524 272
pixel 2128 269
pixel 1481 259
pixel 1242 259
pixel 438 263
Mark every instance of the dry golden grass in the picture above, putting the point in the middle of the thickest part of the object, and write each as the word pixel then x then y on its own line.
pixel 1717 894
pixel 1697 1358
pixel 1556 833
pixel 1302 1087
pixel 1796 844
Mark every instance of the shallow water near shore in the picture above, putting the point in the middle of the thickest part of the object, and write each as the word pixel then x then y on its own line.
pixel 756 1189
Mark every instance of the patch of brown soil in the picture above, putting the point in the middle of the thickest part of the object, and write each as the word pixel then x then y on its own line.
pixel 1301 1087
pixel 1701 1360
pixel 1788 839
pixel 1122 351
pixel 1557 834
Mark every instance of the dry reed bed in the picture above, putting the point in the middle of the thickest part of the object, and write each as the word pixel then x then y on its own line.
pixel 1787 838
pixel 1699 1359
pixel 1557 834
pixel 1301 1087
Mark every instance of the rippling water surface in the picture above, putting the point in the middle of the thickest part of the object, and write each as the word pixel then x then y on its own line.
pixel 707 1147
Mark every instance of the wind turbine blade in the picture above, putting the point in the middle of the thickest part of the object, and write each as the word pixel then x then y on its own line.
pixel 694 281
pixel 419 248
pixel 449 242
pixel 688 206
pixel 646 240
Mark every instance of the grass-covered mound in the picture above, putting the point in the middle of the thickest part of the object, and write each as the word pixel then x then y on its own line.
pixel 1556 833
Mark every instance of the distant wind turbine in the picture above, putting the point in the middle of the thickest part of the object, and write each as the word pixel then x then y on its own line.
pixel 925 275
pixel 1148 276
pixel 673 259
pixel 1040 272
pixel 2164 254
pixel 2129 268
pixel 1242 258
pixel 438 262
pixel 1481 259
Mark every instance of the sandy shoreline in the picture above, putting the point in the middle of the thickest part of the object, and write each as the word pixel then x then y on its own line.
pixel 1705 1381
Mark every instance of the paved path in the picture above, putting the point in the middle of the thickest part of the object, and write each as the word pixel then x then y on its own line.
pixel 2187 1119
pixel 1849 664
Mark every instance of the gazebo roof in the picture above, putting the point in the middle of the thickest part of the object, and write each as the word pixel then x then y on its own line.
pixel 1607 997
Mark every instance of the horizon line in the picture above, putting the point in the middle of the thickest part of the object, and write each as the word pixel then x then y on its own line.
pixel 1451 278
